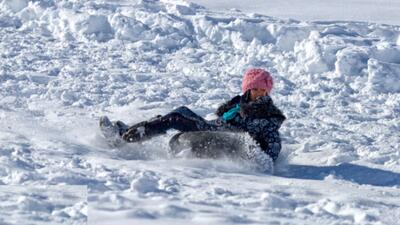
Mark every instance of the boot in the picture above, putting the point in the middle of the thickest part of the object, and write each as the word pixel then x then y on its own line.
pixel 112 131
pixel 135 133
pixel 142 131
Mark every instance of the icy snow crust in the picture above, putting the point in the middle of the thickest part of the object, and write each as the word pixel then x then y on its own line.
pixel 65 63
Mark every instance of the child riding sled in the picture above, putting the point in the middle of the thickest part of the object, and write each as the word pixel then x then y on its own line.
pixel 253 112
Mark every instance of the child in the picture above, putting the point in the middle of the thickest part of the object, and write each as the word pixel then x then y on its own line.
pixel 252 112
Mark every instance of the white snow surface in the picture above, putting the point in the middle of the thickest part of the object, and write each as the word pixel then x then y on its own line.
pixel 66 63
pixel 377 11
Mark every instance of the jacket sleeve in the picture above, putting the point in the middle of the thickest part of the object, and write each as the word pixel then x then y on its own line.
pixel 227 106
pixel 265 132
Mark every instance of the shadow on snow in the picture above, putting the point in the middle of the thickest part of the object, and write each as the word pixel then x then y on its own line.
pixel 346 171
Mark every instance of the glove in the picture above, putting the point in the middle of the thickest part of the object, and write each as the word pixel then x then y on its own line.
pixel 231 113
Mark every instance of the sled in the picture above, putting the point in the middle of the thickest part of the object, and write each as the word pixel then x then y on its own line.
pixel 209 144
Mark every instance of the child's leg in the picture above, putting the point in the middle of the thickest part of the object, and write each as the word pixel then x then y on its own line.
pixel 185 111
pixel 182 119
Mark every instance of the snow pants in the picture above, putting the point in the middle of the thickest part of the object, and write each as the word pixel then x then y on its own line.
pixel 182 119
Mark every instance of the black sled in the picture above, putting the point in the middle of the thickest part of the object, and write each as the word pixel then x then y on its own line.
pixel 209 144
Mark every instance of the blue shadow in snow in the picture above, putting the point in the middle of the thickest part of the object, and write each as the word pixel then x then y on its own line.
pixel 346 171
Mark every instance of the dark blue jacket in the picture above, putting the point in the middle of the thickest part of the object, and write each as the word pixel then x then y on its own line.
pixel 260 118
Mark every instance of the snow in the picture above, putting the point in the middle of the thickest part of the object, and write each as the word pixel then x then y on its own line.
pixel 48 204
pixel 66 63
pixel 378 11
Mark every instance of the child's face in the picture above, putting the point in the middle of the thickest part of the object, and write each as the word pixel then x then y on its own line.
pixel 256 92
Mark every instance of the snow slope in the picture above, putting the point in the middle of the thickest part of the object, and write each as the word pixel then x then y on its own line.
pixel 376 11
pixel 65 63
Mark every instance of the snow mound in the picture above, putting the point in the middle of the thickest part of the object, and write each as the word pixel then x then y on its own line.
pixel 383 77
pixel 351 61
pixel 149 181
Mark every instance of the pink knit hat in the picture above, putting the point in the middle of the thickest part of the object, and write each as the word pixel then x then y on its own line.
pixel 257 78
